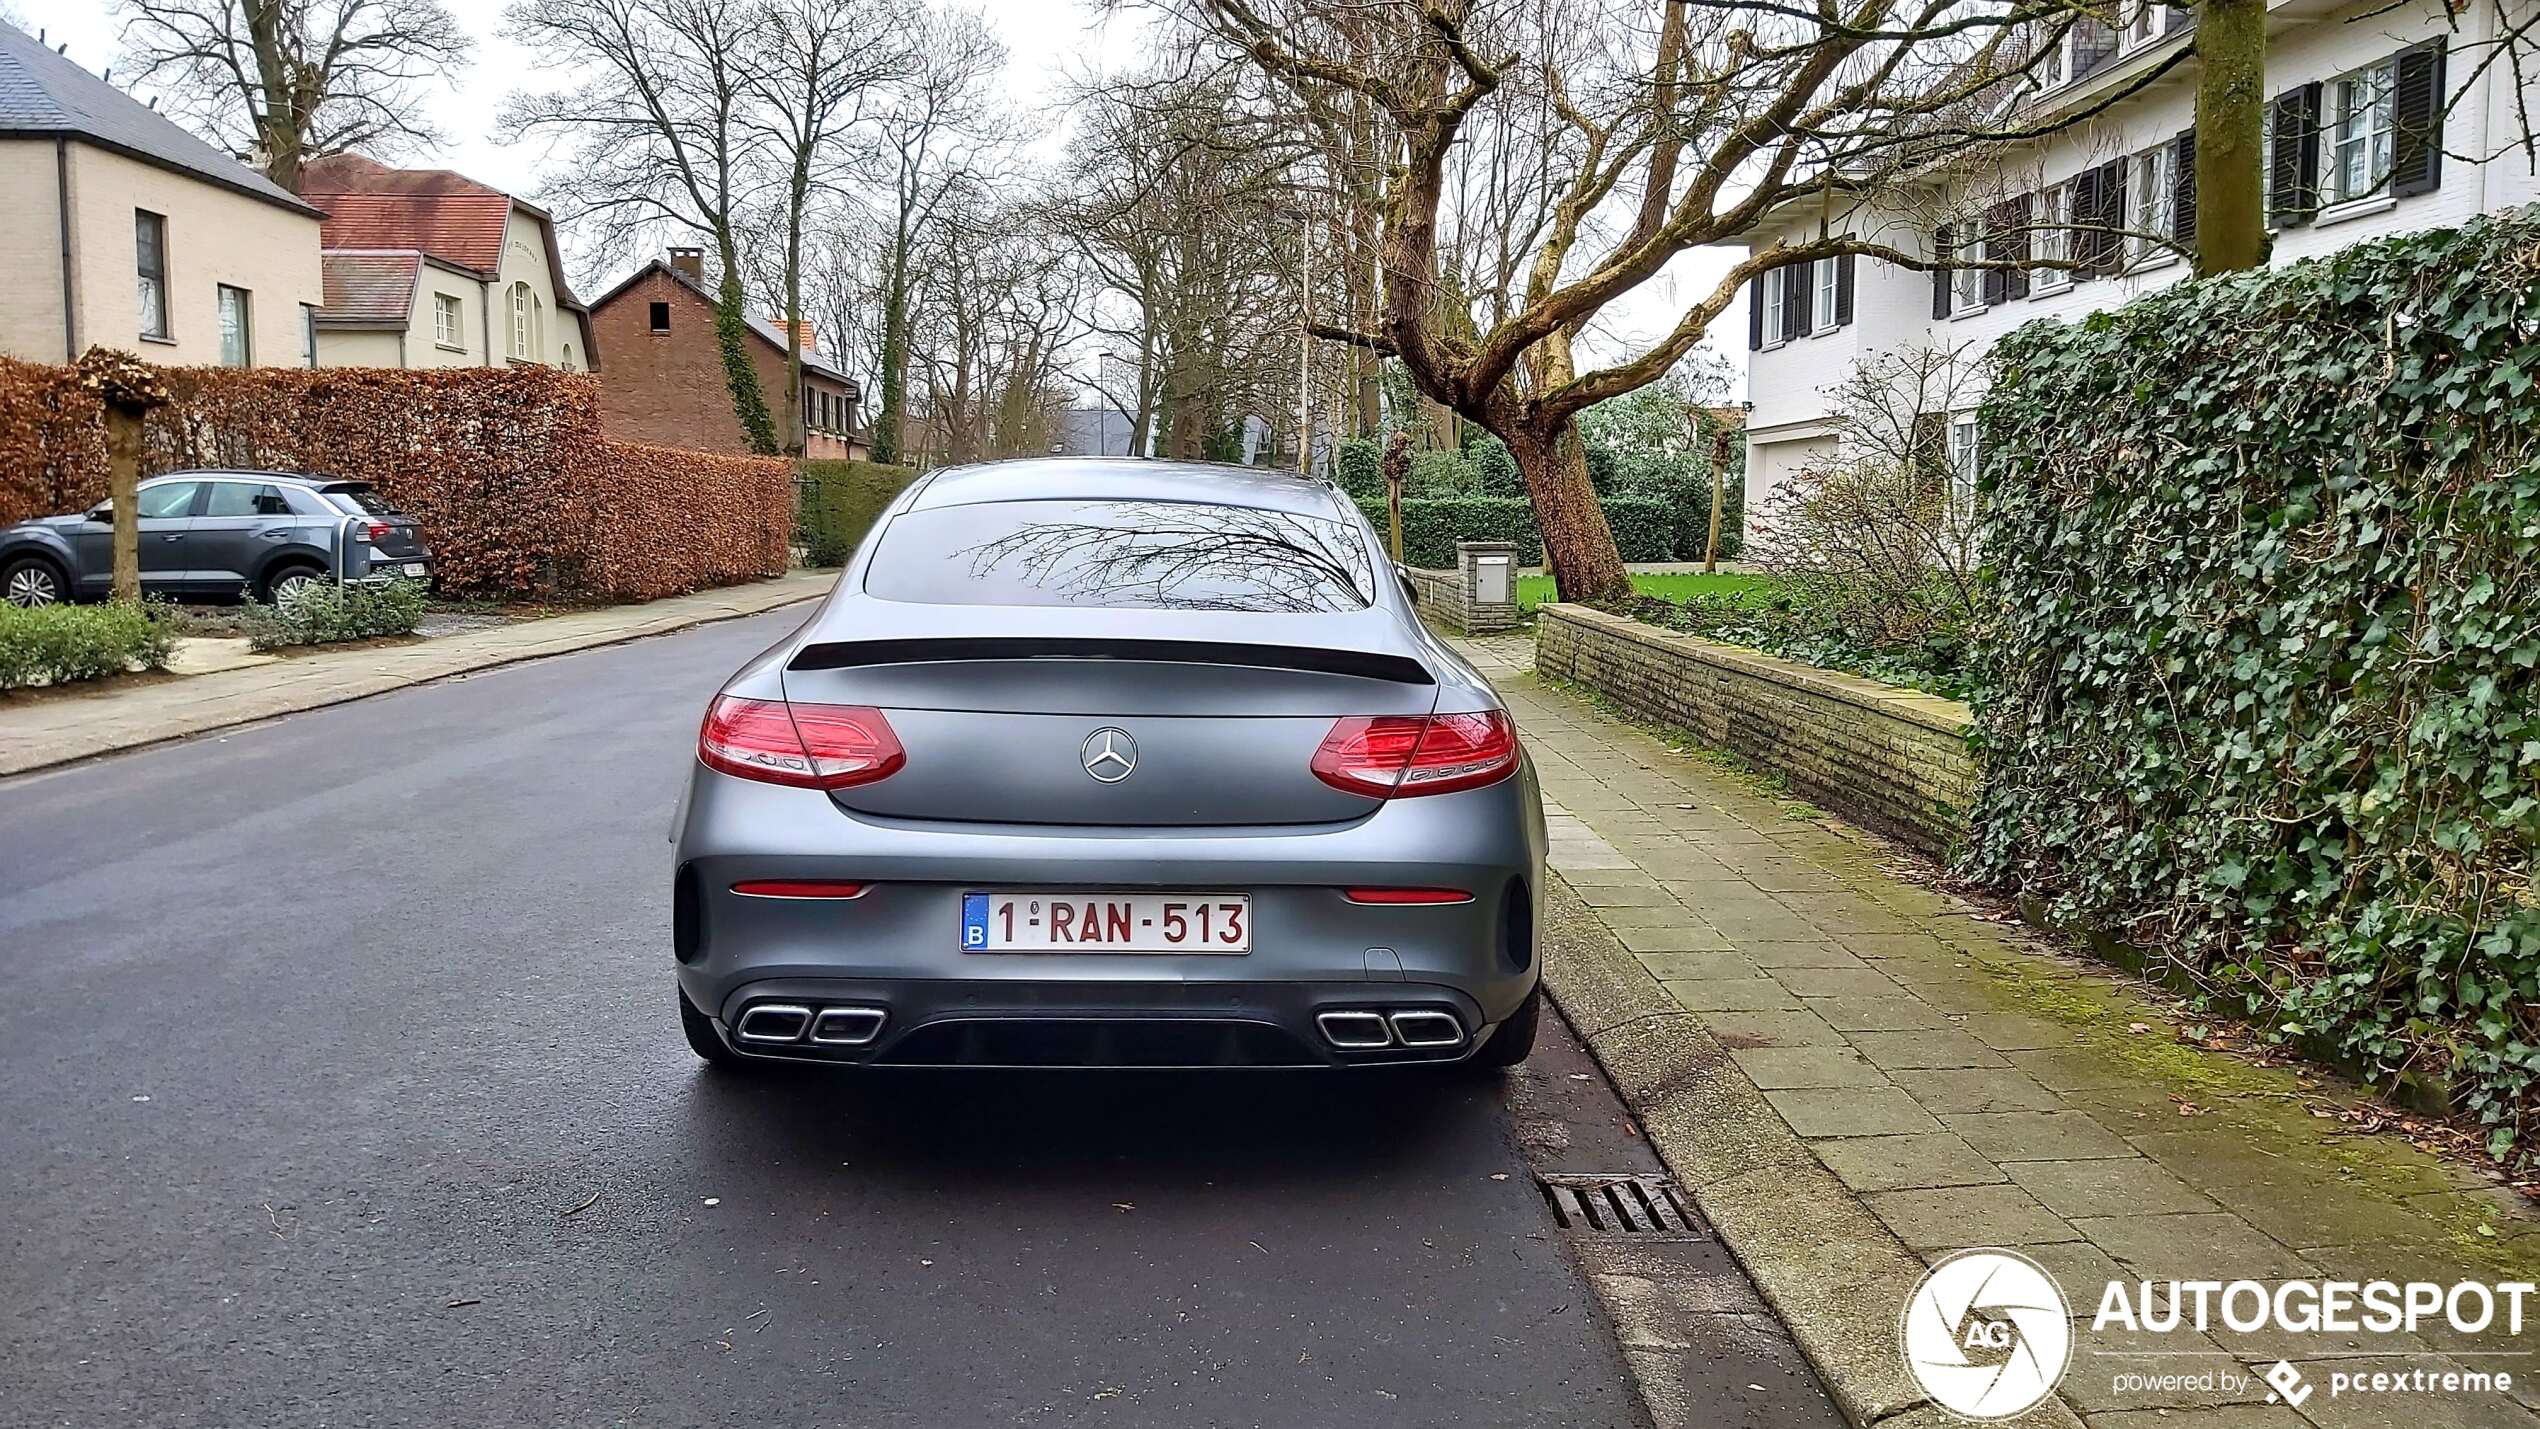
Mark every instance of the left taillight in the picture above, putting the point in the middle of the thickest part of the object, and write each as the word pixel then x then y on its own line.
pixel 806 746
pixel 1398 756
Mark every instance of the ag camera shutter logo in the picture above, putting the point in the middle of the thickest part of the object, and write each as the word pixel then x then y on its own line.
pixel 1987 1333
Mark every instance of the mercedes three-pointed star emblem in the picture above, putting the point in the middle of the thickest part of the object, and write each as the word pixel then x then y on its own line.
pixel 1110 754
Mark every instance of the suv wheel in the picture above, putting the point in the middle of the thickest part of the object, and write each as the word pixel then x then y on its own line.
pixel 30 581
pixel 290 583
pixel 1515 1038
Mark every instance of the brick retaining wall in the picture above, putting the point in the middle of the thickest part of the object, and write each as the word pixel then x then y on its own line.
pixel 1890 758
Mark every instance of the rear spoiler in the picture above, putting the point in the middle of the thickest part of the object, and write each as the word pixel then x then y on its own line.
pixel 1365 664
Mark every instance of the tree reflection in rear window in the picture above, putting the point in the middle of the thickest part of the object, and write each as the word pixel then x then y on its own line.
pixel 1122 555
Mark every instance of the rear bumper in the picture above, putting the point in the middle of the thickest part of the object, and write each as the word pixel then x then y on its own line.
pixel 897 949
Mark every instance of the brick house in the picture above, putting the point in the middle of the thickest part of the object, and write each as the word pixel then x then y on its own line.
pixel 665 377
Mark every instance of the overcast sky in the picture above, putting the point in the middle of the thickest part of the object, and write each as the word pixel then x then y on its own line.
pixel 1046 42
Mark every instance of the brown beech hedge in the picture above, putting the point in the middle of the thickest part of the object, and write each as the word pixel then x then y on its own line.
pixel 518 491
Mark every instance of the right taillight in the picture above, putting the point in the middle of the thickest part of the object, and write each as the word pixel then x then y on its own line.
pixel 806 746
pixel 1397 756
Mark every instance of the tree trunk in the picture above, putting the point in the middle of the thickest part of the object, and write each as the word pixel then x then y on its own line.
pixel 1719 496
pixel 2231 111
pixel 892 414
pixel 123 479
pixel 1577 544
pixel 732 336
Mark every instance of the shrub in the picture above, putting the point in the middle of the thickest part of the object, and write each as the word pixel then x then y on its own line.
pixel 1362 469
pixel 2269 699
pixel 1495 469
pixel 1439 475
pixel 840 500
pixel 326 614
pixel 517 489
pixel 1431 527
pixel 60 644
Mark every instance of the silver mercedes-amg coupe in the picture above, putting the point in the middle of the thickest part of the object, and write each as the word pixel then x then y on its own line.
pixel 1099 763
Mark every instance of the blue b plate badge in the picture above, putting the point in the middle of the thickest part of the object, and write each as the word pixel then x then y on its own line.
pixel 974 921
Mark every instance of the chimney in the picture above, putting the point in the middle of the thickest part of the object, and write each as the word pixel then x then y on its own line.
pixel 808 338
pixel 689 263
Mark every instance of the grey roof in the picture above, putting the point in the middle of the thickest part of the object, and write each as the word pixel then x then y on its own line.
pixel 1065 478
pixel 44 93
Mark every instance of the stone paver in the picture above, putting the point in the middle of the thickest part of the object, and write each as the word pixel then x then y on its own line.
pixel 36 733
pixel 1971 1087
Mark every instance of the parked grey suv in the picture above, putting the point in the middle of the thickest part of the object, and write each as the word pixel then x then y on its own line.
pixel 1110 763
pixel 219 533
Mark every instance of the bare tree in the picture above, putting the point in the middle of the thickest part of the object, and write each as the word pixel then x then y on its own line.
pixel 938 136
pixel 655 139
pixel 287 81
pixel 1686 123
pixel 812 67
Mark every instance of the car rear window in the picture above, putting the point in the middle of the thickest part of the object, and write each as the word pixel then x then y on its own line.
pixel 1122 555
pixel 360 501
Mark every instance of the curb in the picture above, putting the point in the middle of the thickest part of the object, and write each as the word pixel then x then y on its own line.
pixel 1835 1273
pixel 495 658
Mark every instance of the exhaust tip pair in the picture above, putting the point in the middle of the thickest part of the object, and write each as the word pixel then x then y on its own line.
pixel 1419 1028
pixel 780 1024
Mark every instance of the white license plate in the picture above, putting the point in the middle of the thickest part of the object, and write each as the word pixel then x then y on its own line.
pixel 414 568
pixel 1058 921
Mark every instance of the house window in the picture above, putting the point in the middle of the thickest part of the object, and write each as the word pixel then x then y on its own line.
pixel 308 334
pixel 2150 195
pixel 2144 23
pixel 1962 459
pixel 237 347
pixel 1828 273
pixel 2361 123
pixel 661 317
pixel 520 321
pixel 1966 291
pixel 1773 310
pixel 150 250
pixel 2052 241
pixel 448 326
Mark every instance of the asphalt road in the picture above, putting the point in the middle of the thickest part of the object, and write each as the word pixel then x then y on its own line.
pixel 340 1084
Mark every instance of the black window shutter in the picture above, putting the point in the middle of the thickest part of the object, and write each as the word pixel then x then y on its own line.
pixel 2183 189
pixel 1940 276
pixel 2021 243
pixel 1997 283
pixel 2293 170
pixel 2079 244
pixel 2417 114
pixel 2112 200
pixel 1795 300
pixel 1843 291
pixel 1755 312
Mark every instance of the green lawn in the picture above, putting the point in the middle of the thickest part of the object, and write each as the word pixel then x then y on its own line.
pixel 1674 585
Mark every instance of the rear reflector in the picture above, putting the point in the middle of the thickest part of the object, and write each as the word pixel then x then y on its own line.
pixel 806 746
pixel 799 888
pixel 1396 756
pixel 1406 895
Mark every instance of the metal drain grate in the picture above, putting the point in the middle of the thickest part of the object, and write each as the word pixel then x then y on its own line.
pixel 1619 1205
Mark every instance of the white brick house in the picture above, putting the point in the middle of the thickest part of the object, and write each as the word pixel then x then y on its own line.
pixel 2350 88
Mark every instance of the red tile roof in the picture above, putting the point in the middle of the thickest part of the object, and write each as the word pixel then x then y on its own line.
pixel 369 205
pixel 366 288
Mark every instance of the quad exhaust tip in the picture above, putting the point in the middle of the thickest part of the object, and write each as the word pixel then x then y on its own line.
pixel 1353 1031
pixel 782 1024
pixel 846 1026
pixel 1422 1029
pixel 1427 1029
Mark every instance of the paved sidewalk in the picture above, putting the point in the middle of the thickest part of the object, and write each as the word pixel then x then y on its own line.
pixel 42 731
pixel 1969 1086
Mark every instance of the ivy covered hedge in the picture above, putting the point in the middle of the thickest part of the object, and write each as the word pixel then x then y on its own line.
pixel 838 501
pixel 2266 695
pixel 1644 526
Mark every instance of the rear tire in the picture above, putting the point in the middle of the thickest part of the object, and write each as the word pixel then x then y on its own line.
pixel 286 582
pixel 32 581
pixel 705 1041
pixel 1515 1038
